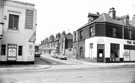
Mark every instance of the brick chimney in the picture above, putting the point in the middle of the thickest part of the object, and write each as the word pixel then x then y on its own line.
pixel 112 12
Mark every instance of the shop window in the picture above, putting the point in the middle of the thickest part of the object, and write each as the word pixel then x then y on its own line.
pixel 114 52
pixel 20 51
pixel 13 21
pixel 3 49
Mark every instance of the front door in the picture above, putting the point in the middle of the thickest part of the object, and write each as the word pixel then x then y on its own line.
pixel 100 53
pixel 12 52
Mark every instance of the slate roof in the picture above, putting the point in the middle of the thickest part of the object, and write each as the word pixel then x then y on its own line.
pixel 106 18
pixel 69 36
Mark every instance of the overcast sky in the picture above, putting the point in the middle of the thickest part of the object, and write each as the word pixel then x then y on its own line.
pixel 54 16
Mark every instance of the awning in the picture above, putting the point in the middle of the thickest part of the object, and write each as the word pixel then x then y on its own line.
pixel 33 38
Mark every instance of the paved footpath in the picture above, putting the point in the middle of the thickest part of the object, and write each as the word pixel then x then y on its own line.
pixel 77 62
pixel 71 62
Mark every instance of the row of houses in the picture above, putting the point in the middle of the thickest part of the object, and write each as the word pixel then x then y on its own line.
pixel 17 31
pixel 105 38
pixel 62 43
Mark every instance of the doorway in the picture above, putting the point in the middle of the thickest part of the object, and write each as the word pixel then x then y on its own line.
pixel 100 53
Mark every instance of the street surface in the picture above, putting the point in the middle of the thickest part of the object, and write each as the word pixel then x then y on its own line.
pixel 63 71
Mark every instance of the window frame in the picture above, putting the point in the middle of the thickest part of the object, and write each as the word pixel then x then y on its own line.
pixel 3 53
pixel 13 23
pixel 114 31
pixel 81 34
pixel 130 34
pixel 20 49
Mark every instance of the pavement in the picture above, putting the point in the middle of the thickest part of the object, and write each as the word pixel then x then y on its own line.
pixel 99 64
pixel 23 67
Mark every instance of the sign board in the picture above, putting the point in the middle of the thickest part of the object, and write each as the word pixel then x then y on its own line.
pixel 12 51
pixel 126 55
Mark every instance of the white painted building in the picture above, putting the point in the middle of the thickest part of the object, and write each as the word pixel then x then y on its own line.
pixel 92 44
pixel 18 26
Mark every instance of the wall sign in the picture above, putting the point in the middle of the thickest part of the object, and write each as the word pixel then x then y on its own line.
pixel 130 42
pixel 12 51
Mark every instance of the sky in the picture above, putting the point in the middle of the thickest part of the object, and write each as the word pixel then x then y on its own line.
pixel 56 16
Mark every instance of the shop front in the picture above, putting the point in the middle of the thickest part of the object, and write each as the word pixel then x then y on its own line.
pixel 106 49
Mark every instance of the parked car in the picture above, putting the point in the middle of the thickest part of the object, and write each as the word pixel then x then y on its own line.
pixel 63 57
pixel 37 54
pixel 54 54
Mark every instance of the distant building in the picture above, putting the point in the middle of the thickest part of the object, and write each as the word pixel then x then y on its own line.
pixel 105 38
pixel 18 30
pixel 62 43
pixel 66 44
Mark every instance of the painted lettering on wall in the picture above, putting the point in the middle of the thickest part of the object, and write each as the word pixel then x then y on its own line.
pixel 130 42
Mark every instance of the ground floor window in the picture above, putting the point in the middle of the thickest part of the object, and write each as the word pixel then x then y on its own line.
pixel 114 52
pixel 20 50
pixel 3 49
pixel 129 53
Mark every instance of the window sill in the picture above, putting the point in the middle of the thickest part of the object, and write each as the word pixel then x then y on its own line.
pixel 14 29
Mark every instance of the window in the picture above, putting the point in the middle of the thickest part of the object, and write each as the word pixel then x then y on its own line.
pixel 74 37
pixel 90 31
pixel 130 34
pixel 13 21
pixel 114 32
pixel 20 51
pixel 29 19
pixel 81 35
pixel 3 49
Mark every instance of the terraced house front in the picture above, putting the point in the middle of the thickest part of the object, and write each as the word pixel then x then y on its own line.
pixel 106 38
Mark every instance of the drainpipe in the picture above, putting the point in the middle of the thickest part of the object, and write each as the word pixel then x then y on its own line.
pixel 1 16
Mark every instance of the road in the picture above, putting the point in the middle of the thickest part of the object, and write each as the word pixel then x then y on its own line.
pixel 73 73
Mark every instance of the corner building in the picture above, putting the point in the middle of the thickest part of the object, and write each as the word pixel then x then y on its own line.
pixel 107 38
pixel 18 25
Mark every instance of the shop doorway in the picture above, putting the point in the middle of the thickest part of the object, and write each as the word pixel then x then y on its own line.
pixel 100 53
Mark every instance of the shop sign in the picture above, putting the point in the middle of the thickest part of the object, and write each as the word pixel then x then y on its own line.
pixel 130 42
pixel 126 55
pixel 100 41
pixel 12 50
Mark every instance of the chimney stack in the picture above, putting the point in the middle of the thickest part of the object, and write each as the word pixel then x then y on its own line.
pixel 112 13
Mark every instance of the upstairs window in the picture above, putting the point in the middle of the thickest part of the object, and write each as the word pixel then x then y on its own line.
pixel 114 32
pixel 81 34
pixel 130 34
pixel 74 37
pixel 29 19
pixel 13 21
pixel 90 31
